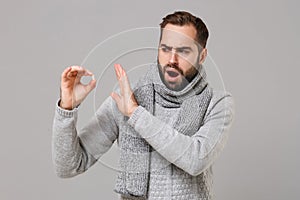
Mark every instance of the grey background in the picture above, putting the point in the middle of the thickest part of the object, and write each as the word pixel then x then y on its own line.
pixel 254 43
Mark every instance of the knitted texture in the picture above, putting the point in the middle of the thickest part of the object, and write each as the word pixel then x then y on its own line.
pixel 193 101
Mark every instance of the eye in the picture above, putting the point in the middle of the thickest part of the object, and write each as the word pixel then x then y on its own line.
pixel 183 51
pixel 166 49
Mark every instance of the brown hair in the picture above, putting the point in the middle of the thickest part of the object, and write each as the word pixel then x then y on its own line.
pixel 182 18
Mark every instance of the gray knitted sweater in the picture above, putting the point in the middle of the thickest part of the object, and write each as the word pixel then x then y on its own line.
pixel 181 166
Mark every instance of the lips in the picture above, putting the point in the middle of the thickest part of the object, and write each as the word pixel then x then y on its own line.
pixel 172 73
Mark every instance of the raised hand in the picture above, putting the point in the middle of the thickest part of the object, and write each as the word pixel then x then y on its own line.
pixel 126 101
pixel 73 92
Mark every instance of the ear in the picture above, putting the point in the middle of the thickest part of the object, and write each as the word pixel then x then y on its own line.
pixel 202 55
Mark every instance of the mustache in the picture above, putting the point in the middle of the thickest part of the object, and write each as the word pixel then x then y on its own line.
pixel 174 66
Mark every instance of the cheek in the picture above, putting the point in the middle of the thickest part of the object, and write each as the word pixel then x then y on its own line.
pixel 162 59
pixel 188 60
pixel 187 65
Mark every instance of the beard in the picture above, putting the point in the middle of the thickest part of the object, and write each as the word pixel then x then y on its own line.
pixel 182 80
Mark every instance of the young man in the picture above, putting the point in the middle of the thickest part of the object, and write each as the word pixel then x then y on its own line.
pixel 170 127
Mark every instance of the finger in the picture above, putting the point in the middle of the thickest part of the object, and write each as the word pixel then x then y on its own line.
pixel 72 74
pixel 121 70
pixel 81 71
pixel 77 72
pixel 64 74
pixel 78 79
pixel 91 85
pixel 117 70
pixel 124 80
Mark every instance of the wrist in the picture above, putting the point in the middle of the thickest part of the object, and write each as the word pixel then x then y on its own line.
pixel 132 110
pixel 64 105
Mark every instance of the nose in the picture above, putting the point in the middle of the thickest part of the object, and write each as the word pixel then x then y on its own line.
pixel 174 58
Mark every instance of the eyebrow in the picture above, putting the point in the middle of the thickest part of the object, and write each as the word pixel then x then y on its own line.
pixel 178 48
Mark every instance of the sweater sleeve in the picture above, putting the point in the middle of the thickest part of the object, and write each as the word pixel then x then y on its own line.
pixel 196 153
pixel 74 152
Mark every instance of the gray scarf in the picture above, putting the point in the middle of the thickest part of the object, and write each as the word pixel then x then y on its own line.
pixel 193 100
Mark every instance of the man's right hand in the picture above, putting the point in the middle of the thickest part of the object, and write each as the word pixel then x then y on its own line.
pixel 73 92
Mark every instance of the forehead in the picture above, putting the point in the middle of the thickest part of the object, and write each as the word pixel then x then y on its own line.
pixel 177 36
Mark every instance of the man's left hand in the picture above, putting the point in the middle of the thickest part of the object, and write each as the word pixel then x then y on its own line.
pixel 126 101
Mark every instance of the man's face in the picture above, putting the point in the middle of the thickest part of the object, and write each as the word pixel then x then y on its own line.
pixel 178 56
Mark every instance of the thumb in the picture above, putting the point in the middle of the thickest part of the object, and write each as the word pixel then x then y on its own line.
pixel 115 97
pixel 91 85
